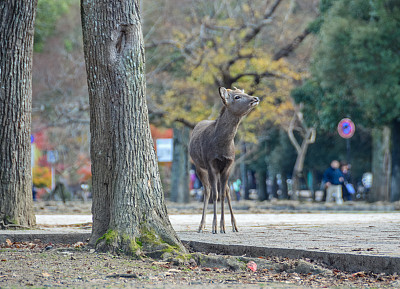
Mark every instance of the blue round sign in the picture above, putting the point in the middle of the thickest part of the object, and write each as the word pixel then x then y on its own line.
pixel 346 128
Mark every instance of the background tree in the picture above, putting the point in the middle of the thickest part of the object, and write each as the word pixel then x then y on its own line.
pixel 359 45
pixel 230 44
pixel 128 202
pixel 180 165
pixel 60 105
pixel 16 46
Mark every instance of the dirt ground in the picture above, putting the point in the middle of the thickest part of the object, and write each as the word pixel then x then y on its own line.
pixel 41 265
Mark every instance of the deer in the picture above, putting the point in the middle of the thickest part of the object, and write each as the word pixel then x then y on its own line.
pixel 212 150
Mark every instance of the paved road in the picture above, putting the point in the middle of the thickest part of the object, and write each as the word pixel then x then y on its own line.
pixel 358 233
pixel 370 234
pixel 369 240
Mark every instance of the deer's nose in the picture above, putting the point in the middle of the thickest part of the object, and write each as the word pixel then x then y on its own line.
pixel 256 99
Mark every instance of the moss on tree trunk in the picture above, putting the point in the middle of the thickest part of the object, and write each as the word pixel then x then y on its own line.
pixel 128 199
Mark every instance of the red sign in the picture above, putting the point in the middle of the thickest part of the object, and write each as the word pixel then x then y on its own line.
pixel 346 128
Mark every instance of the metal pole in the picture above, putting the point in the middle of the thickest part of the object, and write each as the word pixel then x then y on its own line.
pixel 52 177
pixel 348 149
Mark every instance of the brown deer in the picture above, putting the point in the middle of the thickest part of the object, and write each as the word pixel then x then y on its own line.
pixel 212 150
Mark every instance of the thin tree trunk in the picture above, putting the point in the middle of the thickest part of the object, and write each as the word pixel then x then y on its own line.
pixel 262 185
pixel 298 167
pixel 381 165
pixel 243 174
pixel 16 46
pixel 128 201
pixel 395 180
pixel 308 138
pixel 180 165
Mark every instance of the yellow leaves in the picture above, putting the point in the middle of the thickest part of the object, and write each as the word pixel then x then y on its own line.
pixel 41 177
pixel 189 100
pixel 246 8
pixel 231 22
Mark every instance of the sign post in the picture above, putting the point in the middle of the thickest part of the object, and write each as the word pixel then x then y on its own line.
pixel 164 149
pixel 346 129
pixel 52 158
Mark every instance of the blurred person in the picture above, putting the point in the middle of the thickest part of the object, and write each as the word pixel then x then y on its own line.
pixel 333 179
pixel 347 188
pixel 236 188
pixel 34 193
pixel 192 179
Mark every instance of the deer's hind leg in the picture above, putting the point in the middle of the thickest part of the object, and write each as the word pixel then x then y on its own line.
pixel 203 176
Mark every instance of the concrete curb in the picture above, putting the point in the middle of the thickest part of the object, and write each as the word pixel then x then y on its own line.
pixel 341 261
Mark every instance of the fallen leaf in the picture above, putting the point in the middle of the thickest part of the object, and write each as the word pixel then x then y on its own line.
pixel 252 266
pixel 45 274
pixel 359 274
pixel 78 244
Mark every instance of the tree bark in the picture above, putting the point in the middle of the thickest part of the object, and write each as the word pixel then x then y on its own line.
pixel 395 180
pixel 308 138
pixel 16 46
pixel 381 165
pixel 262 185
pixel 180 165
pixel 129 213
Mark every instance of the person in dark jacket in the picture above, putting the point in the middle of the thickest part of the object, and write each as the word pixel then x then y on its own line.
pixel 333 179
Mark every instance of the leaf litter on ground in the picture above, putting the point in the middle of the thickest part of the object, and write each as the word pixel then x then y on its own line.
pixel 75 265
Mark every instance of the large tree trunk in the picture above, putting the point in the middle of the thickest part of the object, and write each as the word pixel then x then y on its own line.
pixel 180 165
pixel 16 45
pixel 395 181
pixel 381 165
pixel 128 203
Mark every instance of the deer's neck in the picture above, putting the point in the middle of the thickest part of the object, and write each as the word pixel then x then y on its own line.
pixel 226 127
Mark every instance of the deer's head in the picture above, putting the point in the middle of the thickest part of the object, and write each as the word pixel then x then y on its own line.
pixel 237 102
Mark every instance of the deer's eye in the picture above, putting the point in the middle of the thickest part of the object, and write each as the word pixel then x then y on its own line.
pixel 237 96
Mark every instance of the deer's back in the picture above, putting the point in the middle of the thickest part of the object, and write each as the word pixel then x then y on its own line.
pixel 203 146
pixel 198 140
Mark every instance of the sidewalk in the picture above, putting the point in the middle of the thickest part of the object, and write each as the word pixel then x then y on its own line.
pixel 347 241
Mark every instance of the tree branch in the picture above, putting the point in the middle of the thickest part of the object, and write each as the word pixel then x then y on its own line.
pixel 161 114
pixel 255 75
pixel 288 49
pixel 292 138
pixel 266 19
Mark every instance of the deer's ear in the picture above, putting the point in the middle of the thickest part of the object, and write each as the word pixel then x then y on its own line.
pixel 223 93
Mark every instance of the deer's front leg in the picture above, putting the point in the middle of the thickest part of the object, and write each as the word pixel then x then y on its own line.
pixel 224 190
pixel 214 192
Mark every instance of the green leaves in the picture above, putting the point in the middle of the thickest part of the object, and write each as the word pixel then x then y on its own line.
pixel 48 12
pixel 355 67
